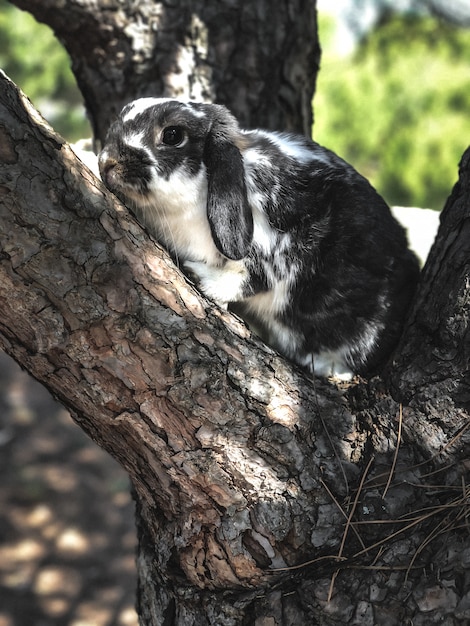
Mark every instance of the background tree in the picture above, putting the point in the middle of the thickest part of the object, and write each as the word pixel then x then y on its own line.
pixel 24 46
pixel 253 485
pixel 393 114
pixel 248 55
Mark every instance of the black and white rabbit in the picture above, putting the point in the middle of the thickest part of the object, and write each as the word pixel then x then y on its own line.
pixel 282 230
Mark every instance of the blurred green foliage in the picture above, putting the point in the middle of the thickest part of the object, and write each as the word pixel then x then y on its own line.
pixel 398 109
pixel 33 58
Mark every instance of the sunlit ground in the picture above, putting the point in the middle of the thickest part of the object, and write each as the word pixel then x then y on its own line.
pixel 67 537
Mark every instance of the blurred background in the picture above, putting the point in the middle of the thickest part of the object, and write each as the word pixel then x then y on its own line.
pixel 67 537
pixel 393 93
pixel 393 98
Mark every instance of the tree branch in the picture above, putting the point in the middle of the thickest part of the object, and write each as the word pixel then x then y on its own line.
pixel 99 314
pixel 242 467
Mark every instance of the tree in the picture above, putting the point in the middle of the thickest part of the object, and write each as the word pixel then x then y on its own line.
pixel 24 44
pixel 262 497
pixel 247 55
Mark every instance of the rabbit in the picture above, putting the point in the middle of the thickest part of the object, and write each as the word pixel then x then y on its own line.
pixel 273 226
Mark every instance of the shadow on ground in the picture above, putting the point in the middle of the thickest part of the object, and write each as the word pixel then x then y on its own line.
pixel 67 538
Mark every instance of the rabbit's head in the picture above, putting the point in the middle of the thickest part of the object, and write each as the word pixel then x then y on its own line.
pixel 168 159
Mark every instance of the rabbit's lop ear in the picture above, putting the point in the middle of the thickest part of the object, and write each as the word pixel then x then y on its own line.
pixel 228 211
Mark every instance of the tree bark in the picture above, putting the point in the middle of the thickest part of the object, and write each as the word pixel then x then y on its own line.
pixel 258 58
pixel 262 497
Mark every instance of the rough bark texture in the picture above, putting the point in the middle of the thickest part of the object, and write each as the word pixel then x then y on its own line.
pixel 258 58
pixel 262 498
pixel 436 346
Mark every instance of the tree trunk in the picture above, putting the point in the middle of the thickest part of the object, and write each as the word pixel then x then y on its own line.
pixel 263 497
pixel 259 58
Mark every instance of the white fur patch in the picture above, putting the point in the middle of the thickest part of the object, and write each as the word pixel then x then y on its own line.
pixel 142 104
pixel 255 157
pixel 293 147
pixel 328 364
pixel 264 306
pixel 266 303
pixel 264 234
pixel 139 106
pixel 333 363
pixel 134 141
pixel 185 230
pixel 222 284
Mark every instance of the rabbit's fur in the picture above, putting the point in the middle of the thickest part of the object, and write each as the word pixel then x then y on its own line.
pixel 282 230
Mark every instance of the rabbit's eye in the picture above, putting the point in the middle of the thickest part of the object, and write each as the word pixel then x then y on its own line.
pixel 173 136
